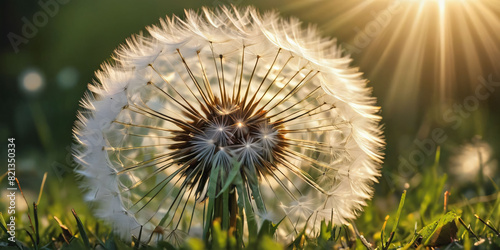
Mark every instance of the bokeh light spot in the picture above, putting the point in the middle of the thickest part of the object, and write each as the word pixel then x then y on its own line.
pixel 67 77
pixel 31 80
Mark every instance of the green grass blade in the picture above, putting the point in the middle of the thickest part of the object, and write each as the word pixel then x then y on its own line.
pixel 253 182
pixel 230 177
pixel 382 232
pixel 436 162
pixel 83 233
pixel 268 228
pixel 41 188
pixel 35 214
pixel 35 246
pixel 258 198
pixel 398 214
pixel 244 202
pixel 3 224
pixel 212 189
pixel 225 210
pixel 396 223
pixel 443 228
pixel 239 230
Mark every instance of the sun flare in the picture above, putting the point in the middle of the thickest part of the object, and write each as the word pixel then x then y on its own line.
pixel 436 49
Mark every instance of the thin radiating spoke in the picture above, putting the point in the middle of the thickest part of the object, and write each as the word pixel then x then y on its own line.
pixel 300 173
pixel 294 90
pixel 217 73
pixel 237 98
pixel 205 80
pixel 296 103
pixel 190 109
pixel 243 102
pixel 272 83
pixel 281 89
pixel 193 78
pixel 308 112
pixel 270 68
pixel 145 126
pixel 174 89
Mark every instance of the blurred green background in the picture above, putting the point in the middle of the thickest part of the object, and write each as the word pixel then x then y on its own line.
pixel 420 62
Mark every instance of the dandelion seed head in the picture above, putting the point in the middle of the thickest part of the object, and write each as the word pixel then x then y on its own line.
pixel 224 85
